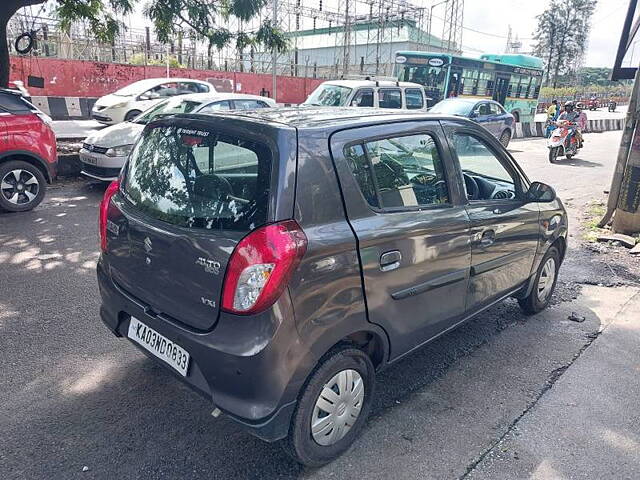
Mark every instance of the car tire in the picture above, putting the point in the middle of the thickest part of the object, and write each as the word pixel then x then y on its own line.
pixel 505 138
pixel 131 115
pixel 542 290
pixel 22 186
pixel 354 369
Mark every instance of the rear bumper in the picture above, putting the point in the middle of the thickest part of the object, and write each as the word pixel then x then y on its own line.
pixel 255 384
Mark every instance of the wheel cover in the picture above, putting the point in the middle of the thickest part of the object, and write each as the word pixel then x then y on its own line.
pixel 546 279
pixel 504 139
pixel 19 187
pixel 337 408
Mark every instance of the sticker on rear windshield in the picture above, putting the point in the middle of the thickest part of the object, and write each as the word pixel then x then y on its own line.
pixel 191 132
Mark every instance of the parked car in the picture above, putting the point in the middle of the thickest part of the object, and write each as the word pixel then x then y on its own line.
pixel 129 102
pixel 368 93
pixel 276 260
pixel 491 115
pixel 28 156
pixel 104 152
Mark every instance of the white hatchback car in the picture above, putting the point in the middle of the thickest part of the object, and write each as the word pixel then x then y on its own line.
pixel 103 153
pixel 128 102
pixel 369 93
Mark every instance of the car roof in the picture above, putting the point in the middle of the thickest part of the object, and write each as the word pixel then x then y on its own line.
pixel 303 117
pixel 212 96
pixel 157 81
pixel 371 83
pixel 466 100
pixel 11 91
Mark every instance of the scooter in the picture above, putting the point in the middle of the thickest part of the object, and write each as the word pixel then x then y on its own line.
pixel 612 105
pixel 559 143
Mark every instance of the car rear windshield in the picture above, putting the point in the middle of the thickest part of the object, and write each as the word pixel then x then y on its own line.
pixel 199 178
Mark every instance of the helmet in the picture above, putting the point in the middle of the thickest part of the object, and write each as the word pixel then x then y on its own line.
pixel 568 106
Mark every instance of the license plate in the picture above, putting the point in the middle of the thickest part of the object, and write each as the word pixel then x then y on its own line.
pixel 89 160
pixel 159 345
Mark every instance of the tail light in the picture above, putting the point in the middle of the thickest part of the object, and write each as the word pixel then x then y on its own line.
pixel 111 190
pixel 260 267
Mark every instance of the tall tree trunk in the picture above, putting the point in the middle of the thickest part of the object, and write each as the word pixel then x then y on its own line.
pixel 4 53
pixel 7 9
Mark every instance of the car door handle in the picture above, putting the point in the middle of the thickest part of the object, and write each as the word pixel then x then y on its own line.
pixel 488 237
pixel 390 260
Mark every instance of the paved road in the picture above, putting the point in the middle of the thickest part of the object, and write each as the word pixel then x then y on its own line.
pixel 72 395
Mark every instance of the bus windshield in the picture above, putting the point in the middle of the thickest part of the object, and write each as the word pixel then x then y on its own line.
pixel 431 77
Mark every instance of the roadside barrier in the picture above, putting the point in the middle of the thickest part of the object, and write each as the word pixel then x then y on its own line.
pixel 536 129
pixel 65 108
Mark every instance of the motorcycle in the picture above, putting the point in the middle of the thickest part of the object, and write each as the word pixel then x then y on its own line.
pixel 612 105
pixel 593 104
pixel 559 143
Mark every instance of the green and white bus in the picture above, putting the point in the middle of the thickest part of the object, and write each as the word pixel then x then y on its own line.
pixel 510 79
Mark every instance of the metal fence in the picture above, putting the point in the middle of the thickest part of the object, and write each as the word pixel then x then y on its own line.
pixel 138 46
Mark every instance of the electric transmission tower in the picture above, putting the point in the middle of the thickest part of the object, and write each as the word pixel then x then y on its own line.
pixel 452 31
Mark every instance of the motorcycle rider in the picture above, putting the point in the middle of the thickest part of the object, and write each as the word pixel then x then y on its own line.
pixel 552 114
pixel 569 114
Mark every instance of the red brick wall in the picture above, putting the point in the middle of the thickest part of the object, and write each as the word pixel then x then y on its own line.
pixel 78 78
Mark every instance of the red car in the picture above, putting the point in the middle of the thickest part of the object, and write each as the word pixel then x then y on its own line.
pixel 28 155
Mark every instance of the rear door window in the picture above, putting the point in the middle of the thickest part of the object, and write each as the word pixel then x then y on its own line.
pixel 363 98
pixel 399 172
pixel 414 99
pixel 389 98
pixel 199 178
pixel 248 104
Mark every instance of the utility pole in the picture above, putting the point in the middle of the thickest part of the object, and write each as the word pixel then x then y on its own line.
pixel 623 184
pixel 624 194
pixel 347 41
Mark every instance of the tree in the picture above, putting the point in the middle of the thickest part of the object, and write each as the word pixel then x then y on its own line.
pixel 561 36
pixel 198 17
pixel 100 14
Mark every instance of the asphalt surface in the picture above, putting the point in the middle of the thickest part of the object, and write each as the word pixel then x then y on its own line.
pixel 73 396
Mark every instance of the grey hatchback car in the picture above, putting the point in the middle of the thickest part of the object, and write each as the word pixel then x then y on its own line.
pixel 276 260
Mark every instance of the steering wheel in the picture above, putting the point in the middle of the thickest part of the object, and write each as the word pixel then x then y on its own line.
pixel 212 186
pixel 473 190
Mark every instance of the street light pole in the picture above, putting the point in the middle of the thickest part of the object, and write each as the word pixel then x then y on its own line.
pixel 431 21
pixel 274 56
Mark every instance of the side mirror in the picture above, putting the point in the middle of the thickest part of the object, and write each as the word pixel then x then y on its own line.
pixel 541 192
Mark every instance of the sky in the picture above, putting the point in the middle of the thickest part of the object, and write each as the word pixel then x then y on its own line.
pixel 486 24
pixel 495 16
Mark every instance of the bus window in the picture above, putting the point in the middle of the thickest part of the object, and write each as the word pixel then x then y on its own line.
pixel 470 81
pixel 485 84
pixel 532 88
